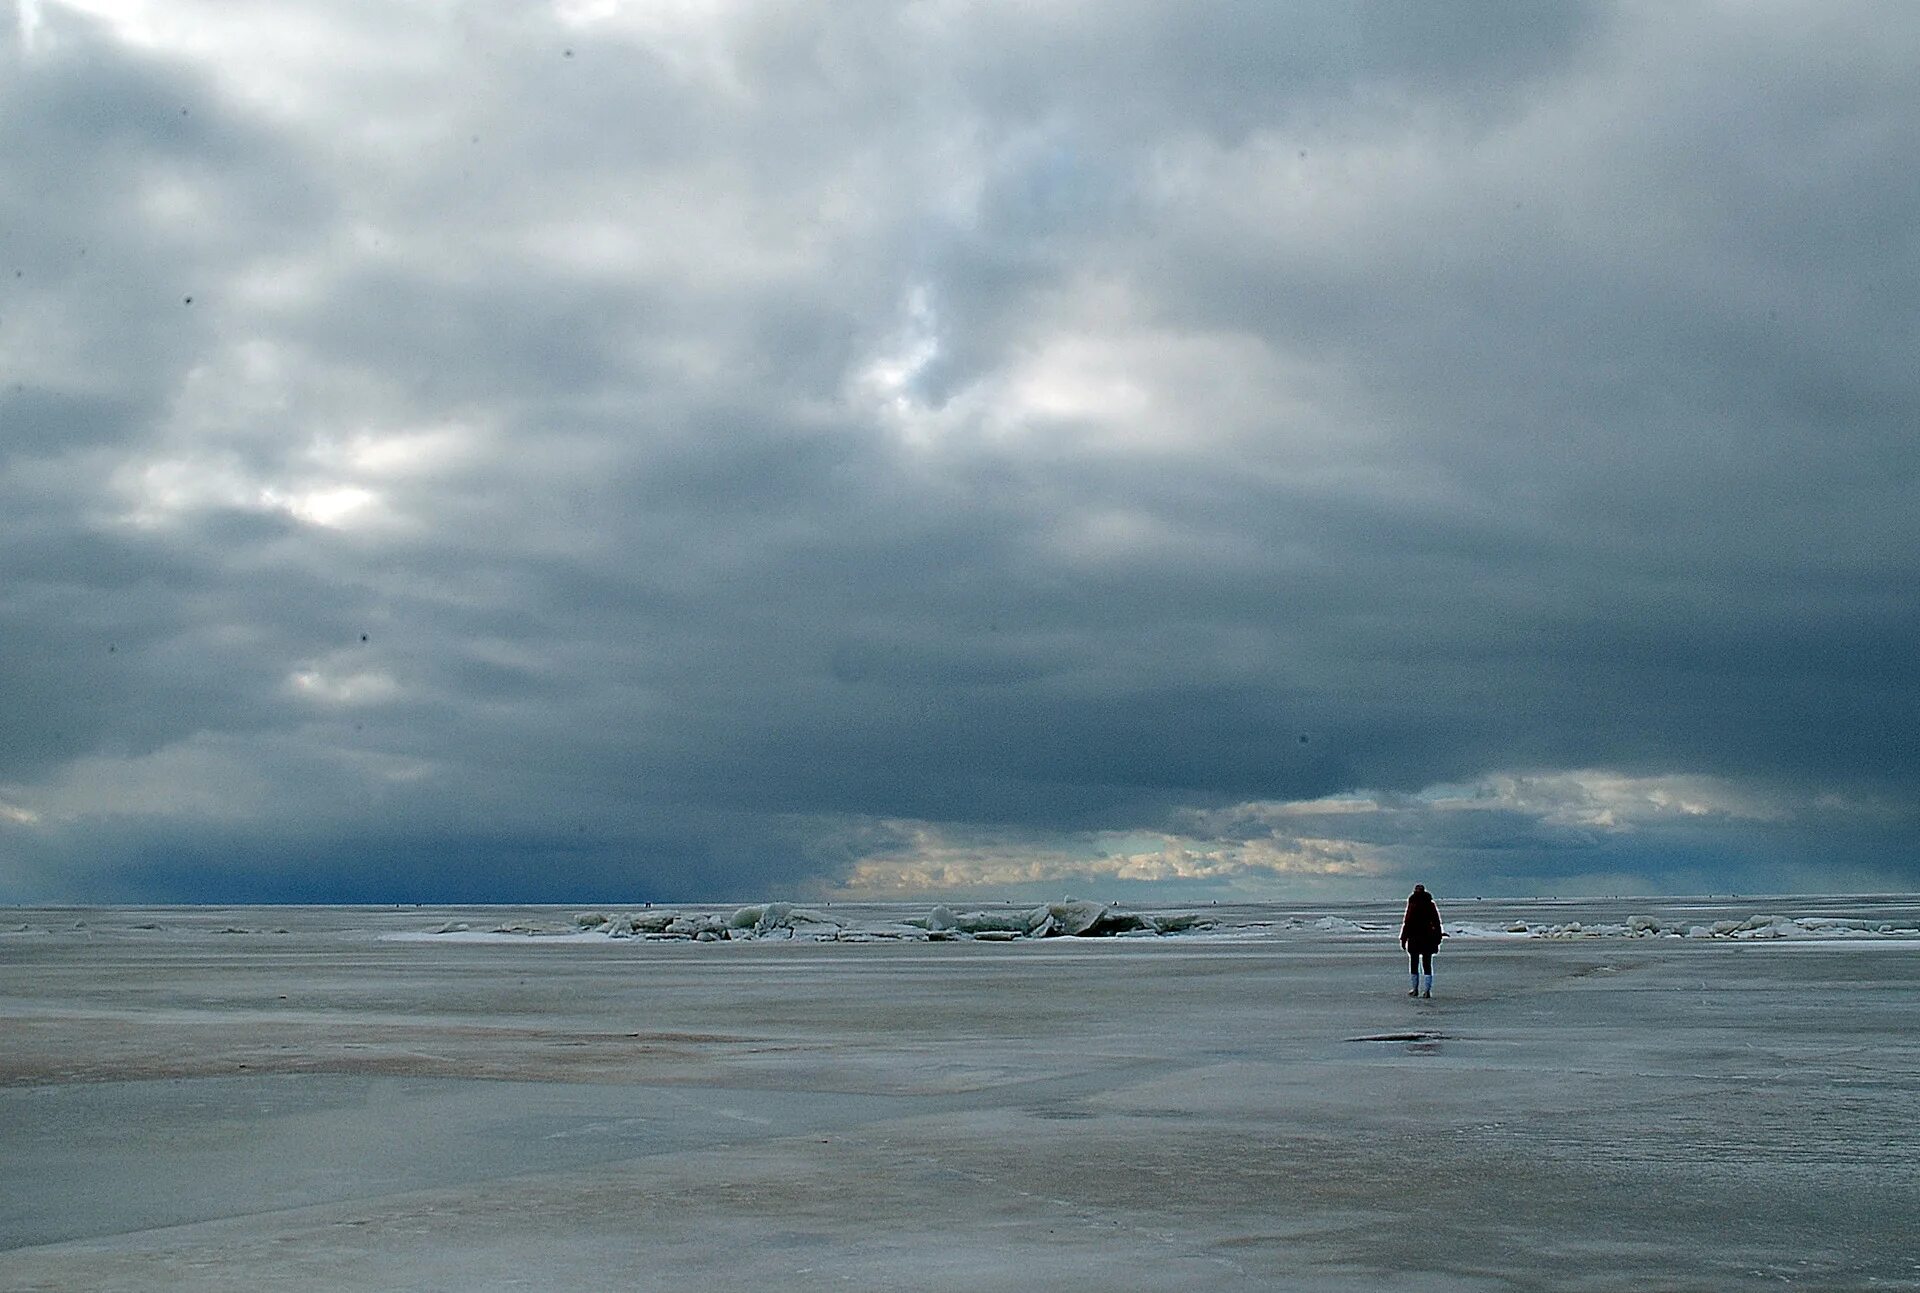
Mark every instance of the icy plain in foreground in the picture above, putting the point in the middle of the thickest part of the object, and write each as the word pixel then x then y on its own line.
pixel 1603 1095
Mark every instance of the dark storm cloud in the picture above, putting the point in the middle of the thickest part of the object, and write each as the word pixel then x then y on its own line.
pixel 688 450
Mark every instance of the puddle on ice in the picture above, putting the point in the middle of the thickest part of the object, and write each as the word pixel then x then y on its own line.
pixel 1210 1110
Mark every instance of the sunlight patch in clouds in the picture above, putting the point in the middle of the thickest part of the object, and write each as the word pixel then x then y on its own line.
pixel 1350 841
pixel 172 490
pixel 333 507
pixel 932 858
pixel 210 778
pixel 1592 799
pixel 889 380
pixel 1606 800
pixel 161 492
pixel 204 777
pixel 340 687
pixel 291 61
pixel 28 14
pixel 1091 374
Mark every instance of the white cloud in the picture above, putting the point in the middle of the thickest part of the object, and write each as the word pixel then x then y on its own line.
pixel 931 858
pixel 1586 798
pixel 887 381
pixel 337 686
pixel 27 14
pixel 1606 800
pixel 1352 842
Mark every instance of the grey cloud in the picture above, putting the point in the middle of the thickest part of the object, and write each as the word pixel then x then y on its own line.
pixel 1231 68
pixel 1553 411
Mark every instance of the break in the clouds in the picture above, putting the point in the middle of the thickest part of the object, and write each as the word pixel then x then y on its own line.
pixel 714 449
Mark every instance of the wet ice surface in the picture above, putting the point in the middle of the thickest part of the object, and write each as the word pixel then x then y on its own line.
pixel 232 1099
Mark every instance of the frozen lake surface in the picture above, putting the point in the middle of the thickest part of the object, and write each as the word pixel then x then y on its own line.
pixel 1675 1094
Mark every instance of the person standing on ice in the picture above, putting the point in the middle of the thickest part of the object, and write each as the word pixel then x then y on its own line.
pixel 1420 935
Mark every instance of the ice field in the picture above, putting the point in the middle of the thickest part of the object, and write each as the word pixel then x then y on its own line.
pixel 1653 1094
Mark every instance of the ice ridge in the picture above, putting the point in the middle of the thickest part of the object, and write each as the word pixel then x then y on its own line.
pixel 1083 919
pixel 1752 928
pixel 1069 918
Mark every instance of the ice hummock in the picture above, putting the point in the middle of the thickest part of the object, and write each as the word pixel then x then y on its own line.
pixel 1067 918
pixel 1767 926
pixel 1818 920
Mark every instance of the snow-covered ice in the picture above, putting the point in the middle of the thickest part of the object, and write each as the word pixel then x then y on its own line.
pixel 1667 1093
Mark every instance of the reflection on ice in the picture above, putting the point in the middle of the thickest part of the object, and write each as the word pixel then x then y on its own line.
pixel 1602 1095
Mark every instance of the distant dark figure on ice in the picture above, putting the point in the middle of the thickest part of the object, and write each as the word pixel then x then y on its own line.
pixel 1420 934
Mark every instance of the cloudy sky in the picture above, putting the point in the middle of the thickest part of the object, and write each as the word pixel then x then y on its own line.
pixel 606 449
